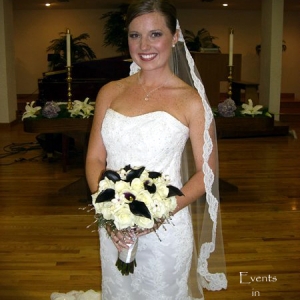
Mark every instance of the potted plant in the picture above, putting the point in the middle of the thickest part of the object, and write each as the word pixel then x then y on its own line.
pixel 80 51
pixel 115 33
pixel 200 41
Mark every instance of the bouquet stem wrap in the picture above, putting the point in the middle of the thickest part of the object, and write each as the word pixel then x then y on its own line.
pixel 128 255
pixel 126 259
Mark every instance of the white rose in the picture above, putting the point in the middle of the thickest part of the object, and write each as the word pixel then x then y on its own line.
pixel 144 176
pixel 105 184
pixel 123 218
pixel 162 190
pixel 158 208
pixel 137 184
pixel 171 204
pixel 145 196
pixel 106 210
pixel 143 222
pixel 120 186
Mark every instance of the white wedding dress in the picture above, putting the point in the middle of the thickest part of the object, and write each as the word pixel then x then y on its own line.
pixel 155 140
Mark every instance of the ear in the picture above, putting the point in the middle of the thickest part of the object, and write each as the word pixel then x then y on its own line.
pixel 175 37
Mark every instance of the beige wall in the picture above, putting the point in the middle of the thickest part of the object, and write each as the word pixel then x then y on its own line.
pixel 35 29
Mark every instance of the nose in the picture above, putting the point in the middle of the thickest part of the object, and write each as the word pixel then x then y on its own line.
pixel 144 43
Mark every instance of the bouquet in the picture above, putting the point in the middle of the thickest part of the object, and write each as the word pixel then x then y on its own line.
pixel 133 199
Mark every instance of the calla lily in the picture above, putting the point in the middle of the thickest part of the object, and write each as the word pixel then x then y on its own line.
pixel 250 110
pixel 30 110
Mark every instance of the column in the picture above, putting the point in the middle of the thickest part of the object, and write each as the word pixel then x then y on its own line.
pixel 8 99
pixel 271 55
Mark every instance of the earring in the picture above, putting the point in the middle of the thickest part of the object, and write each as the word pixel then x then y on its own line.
pixel 173 45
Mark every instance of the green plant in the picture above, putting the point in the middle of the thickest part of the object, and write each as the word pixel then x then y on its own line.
pixel 80 51
pixel 115 33
pixel 202 39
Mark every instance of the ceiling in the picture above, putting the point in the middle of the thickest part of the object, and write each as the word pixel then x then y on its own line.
pixel 180 4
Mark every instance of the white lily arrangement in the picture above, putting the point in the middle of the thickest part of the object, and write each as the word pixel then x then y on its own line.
pixel 31 111
pixel 249 109
pixel 80 109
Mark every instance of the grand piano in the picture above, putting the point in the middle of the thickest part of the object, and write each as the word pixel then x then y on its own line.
pixel 87 78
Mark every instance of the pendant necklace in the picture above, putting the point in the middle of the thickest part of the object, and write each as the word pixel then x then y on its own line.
pixel 148 94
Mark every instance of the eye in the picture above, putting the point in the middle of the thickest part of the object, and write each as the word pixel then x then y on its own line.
pixel 156 34
pixel 133 35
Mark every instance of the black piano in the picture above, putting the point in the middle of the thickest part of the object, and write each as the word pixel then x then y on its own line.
pixel 87 78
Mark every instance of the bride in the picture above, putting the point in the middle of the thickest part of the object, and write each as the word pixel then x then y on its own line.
pixel 146 119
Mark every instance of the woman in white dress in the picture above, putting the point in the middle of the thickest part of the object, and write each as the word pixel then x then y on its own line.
pixel 146 120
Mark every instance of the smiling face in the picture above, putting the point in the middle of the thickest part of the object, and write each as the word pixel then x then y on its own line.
pixel 150 41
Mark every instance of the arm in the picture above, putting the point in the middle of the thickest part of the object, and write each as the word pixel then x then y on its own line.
pixel 96 156
pixel 194 187
pixel 96 153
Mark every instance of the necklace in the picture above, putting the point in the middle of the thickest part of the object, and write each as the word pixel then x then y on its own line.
pixel 148 94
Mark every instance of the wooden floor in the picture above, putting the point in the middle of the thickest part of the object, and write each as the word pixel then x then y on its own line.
pixel 45 245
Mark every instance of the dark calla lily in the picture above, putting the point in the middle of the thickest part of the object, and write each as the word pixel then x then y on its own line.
pixel 151 188
pixel 134 173
pixel 174 191
pixel 130 197
pixel 127 168
pixel 105 196
pixel 140 209
pixel 153 175
pixel 111 175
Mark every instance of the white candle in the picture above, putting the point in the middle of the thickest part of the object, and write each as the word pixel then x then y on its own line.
pixel 68 38
pixel 230 47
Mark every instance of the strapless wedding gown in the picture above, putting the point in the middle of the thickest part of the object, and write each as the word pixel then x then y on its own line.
pixel 155 140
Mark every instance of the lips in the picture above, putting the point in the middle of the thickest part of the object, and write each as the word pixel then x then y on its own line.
pixel 147 57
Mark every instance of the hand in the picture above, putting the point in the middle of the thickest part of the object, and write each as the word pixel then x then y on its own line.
pixel 158 223
pixel 120 238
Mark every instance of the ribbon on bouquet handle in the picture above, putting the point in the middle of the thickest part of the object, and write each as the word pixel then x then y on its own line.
pixel 128 255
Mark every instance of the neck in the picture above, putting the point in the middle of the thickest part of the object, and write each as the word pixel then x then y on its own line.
pixel 153 79
pixel 149 91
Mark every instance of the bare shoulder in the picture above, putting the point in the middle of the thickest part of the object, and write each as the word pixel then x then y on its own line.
pixel 112 88
pixel 190 103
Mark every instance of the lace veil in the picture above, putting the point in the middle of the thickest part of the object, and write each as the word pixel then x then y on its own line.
pixel 208 268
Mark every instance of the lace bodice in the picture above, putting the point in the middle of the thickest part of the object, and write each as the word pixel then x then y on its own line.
pixel 154 140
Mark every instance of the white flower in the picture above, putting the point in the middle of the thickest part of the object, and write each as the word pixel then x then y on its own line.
pixel 122 186
pixel 137 184
pixel 106 184
pixel 144 196
pixel 161 189
pixel 143 222
pixel 106 210
pixel 123 218
pixel 30 110
pixel 250 110
pixel 172 204
pixel 82 109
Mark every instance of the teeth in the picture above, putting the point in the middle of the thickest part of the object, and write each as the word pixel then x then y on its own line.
pixel 148 56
